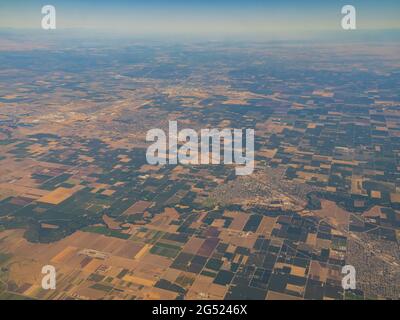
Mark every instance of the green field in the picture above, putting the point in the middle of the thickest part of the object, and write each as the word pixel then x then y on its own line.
pixel 106 232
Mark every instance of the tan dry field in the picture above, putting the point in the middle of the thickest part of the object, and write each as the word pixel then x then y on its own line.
pixel 374 212
pixel 162 221
pixel 193 245
pixel 267 153
pixel 23 191
pixel 267 224
pixel 74 268
pixel 335 215
pixel 203 288
pixel 234 238
pixel 322 272
pixel 312 239
pixel 138 207
pixel 239 219
pixel 58 195
pixel 111 223
pixel 142 251
pixel 395 197
pixel 158 294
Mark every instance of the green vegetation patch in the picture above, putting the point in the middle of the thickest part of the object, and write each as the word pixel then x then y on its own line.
pixel 101 287
pixel 106 232
pixel 4 257
pixel 165 250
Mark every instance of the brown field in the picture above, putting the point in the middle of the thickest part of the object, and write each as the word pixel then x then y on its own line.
pixel 58 195
pixel 267 225
pixel 111 223
pixel 193 245
pixel 162 221
pixel 336 215
pixel 75 268
pixel 239 220
pixel 138 207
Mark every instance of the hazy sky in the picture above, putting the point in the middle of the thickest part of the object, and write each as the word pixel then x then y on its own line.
pixel 202 17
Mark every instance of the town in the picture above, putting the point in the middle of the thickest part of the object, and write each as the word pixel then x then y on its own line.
pixel 210 140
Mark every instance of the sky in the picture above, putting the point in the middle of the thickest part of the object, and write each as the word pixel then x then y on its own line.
pixel 279 18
